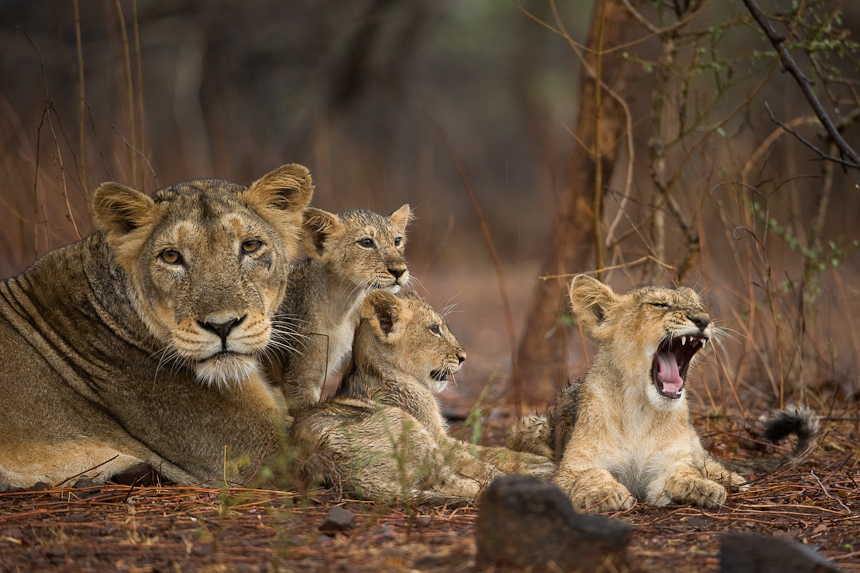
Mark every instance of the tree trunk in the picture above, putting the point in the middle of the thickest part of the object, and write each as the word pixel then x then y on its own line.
pixel 600 125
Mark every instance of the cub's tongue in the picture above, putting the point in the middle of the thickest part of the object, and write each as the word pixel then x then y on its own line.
pixel 667 372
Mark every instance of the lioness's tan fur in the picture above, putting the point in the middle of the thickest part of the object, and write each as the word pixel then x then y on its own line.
pixel 382 433
pixel 624 432
pixel 140 343
pixel 348 255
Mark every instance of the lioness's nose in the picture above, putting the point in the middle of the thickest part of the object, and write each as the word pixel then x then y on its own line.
pixel 222 329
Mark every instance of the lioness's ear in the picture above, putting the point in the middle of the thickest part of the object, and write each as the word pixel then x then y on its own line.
pixel 400 218
pixel 126 215
pixel 386 314
pixel 120 210
pixel 590 300
pixel 288 188
pixel 317 226
pixel 280 197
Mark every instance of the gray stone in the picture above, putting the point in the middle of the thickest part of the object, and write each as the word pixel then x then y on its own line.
pixel 747 553
pixel 338 519
pixel 525 523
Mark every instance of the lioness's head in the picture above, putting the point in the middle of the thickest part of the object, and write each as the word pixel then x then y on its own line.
pixel 405 332
pixel 364 248
pixel 651 333
pixel 208 262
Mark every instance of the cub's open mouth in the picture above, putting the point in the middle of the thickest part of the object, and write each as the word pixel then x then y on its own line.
pixel 671 362
pixel 439 375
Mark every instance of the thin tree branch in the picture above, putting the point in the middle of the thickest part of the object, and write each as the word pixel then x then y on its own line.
pixel 805 84
pixel 807 143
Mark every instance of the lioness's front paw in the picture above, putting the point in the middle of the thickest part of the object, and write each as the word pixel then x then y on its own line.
pixel 696 491
pixel 609 497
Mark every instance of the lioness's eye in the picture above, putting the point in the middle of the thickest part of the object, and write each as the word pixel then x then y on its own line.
pixel 397 241
pixel 251 245
pixel 434 328
pixel 171 257
pixel 659 304
pixel 367 243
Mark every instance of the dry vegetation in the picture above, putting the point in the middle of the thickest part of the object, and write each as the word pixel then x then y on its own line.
pixel 381 100
pixel 171 528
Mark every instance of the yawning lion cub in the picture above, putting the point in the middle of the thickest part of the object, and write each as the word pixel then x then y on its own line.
pixel 624 432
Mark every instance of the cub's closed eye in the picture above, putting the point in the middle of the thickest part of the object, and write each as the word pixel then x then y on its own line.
pixel 367 243
pixel 251 245
pixel 397 241
pixel 434 328
pixel 659 304
pixel 171 257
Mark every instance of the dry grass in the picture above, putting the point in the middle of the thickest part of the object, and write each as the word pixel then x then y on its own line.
pixel 170 528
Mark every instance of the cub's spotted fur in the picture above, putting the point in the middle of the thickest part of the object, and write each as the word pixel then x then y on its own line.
pixel 382 433
pixel 348 256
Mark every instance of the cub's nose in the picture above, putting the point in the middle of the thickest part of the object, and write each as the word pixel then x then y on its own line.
pixel 461 357
pixel 396 273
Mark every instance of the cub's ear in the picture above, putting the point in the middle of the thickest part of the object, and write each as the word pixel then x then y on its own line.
pixel 387 314
pixel 318 225
pixel 400 218
pixel 590 301
pixel 120 210
pixel 288 188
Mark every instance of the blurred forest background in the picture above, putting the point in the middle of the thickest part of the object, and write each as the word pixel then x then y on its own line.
pixel 427 101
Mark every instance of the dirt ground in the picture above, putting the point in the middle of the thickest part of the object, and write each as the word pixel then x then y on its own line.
pixel 170 528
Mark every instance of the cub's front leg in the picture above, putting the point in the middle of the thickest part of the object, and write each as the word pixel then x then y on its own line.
pixel 511 462
pixel 593 490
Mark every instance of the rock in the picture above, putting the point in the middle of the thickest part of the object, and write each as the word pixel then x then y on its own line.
pixel 84 483
pixel 424 521
pixel 338 519
pixel 524 523
pixel 696 523
pixel 747 553
pixel 88 486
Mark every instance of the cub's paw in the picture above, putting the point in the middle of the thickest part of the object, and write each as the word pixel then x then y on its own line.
pixel 696 491
pixel 736 482
pixel 609 497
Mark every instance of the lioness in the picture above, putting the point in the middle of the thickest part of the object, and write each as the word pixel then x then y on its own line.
pixel 624 432
pixel 382 432
pixel 140 342
pixel 348 256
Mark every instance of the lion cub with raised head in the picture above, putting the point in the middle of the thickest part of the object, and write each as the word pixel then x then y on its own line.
pixel 382 432
pixel 624 432
pixel 348 256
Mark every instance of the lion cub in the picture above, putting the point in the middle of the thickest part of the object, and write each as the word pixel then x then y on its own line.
pixel 382 432
pixel 624 432
pixel 349 255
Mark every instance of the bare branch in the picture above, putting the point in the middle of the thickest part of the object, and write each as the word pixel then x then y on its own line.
pixel 805 84
pixel 807 143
